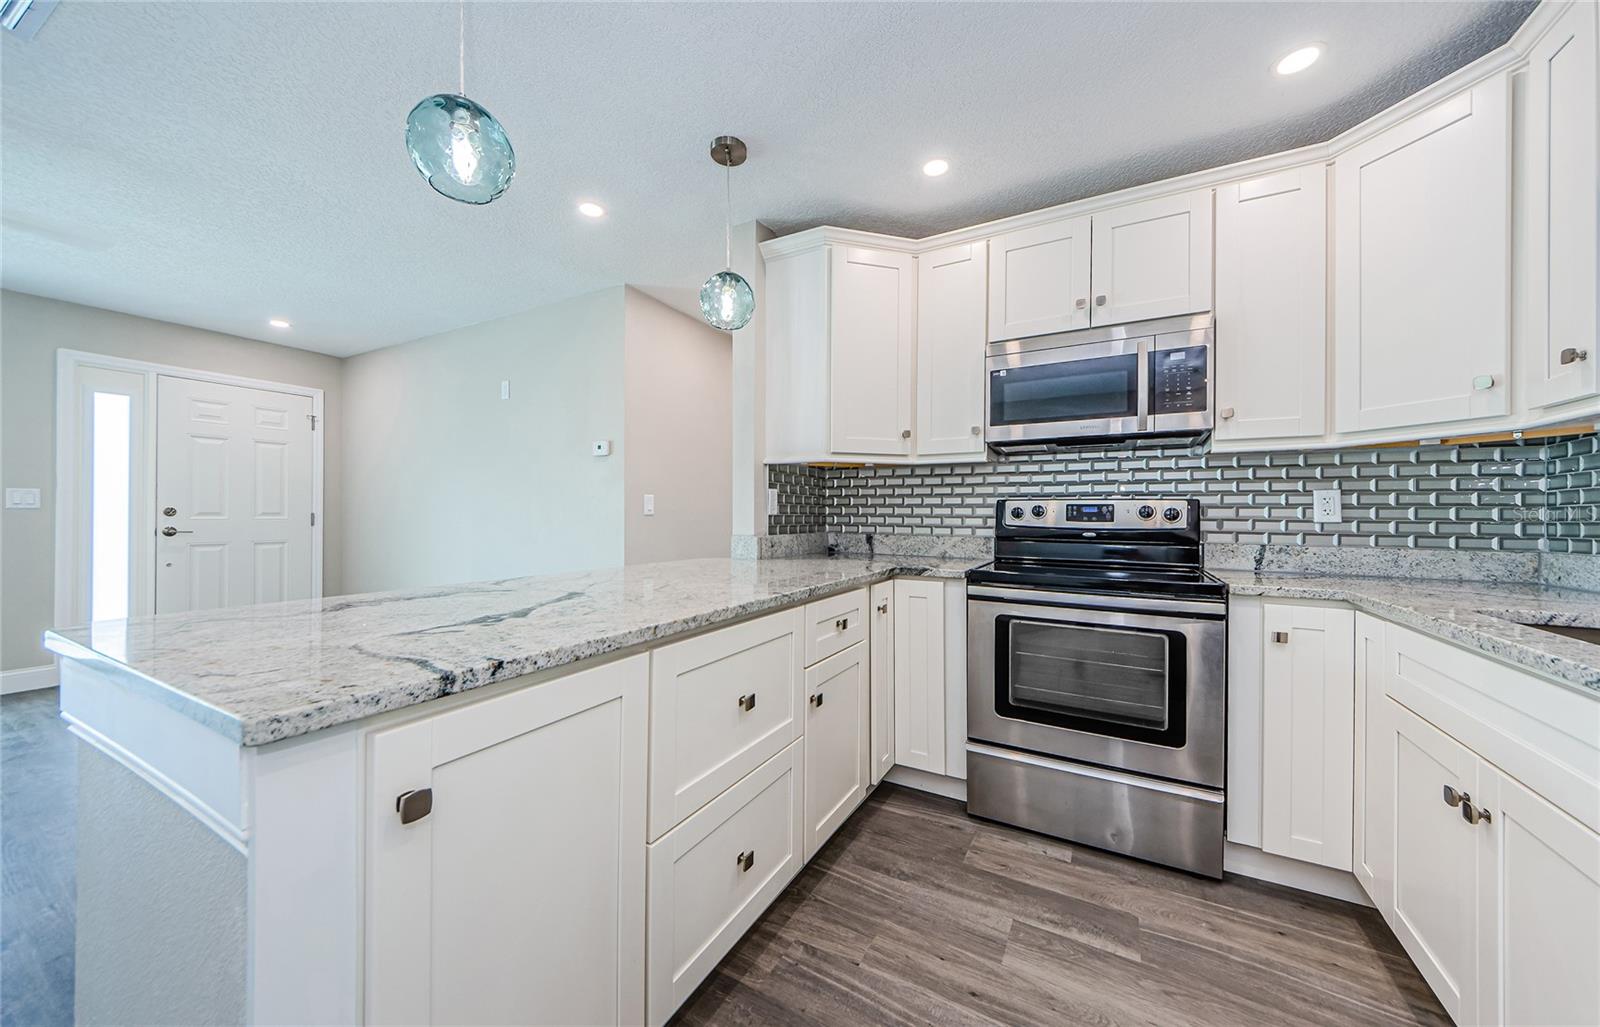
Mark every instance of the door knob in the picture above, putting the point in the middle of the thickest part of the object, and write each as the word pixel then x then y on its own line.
pixel 169 511
pixel 1572 355
pixel 1453 797
pixel 170 531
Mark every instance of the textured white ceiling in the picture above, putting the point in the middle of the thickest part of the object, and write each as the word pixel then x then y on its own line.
pixel 216 164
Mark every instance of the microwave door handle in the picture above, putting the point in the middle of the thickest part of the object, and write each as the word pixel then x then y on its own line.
pixel 1146 346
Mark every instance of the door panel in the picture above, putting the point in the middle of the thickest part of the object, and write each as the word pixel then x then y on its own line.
pixel 952 287
pixel 1374 769
pixel 919 699
pixel 837 743
pixel 1039 280
pixel 1152 259
pixel 235 464
pixel 882 675
pixel 873 349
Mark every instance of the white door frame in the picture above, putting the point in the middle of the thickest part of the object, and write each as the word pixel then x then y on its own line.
pixel 69 450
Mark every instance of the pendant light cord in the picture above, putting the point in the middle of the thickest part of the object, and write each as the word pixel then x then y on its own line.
pixel 461 47
pixel 727 224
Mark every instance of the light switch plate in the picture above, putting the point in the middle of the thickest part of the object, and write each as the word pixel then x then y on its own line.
pixel 649 504
pixel 602 447
pixel 772 502
pixel 505 388
pixel 22 499
pixel 1325 506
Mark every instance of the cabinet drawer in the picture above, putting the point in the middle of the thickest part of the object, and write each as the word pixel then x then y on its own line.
pixel 835 624
pixel 721 704
pixel 715 874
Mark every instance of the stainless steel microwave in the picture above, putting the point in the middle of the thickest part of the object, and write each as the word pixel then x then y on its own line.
pixel 1153 379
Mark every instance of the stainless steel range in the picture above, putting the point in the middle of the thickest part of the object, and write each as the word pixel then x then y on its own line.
pixel 1096 678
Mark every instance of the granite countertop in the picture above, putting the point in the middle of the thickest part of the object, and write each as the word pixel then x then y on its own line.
pixel 1481 615
pixel 258 674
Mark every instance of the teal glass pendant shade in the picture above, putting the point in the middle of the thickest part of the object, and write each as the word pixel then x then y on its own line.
pixel 460 148
pixel 727 302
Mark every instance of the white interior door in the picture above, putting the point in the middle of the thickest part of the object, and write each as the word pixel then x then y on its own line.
pixel 234 467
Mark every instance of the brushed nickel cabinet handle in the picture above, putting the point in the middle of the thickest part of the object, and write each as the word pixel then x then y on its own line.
pixel 1099 301
pixel 1280 637
pixel 1227 413
pixel 747 702
pixel 1473 815
pixel 977 430
pixel 844 624
pixel 883 607
pixel 1453 797
pixel 1080 304
pixel 905 433
pixel 1571 355
pixel 1483 382
pixel 414 805
pixel 816 700
pixel 745 860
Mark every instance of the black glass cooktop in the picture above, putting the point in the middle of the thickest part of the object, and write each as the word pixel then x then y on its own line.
pixel 1154 580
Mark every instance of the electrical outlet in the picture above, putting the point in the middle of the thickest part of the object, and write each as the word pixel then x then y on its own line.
pixel 1325 506
pixel 649 504
pixel 505 388
pixel 601 447
pixel 22 499
pixel 772 502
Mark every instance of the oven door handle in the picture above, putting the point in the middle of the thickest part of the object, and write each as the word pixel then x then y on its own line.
pixel 1132 604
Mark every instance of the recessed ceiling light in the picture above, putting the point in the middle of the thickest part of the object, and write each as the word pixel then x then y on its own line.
pixel 936 167
pixel 591 210
pixel 279 322
pixel 1299 60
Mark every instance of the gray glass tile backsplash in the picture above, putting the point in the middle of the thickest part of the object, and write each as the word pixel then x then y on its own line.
pixel 1541 495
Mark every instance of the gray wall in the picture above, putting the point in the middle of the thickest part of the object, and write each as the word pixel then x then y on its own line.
pixel 32 329
pixel 161 907
pixel 450 483
pixel 679 447
pixel 1528 497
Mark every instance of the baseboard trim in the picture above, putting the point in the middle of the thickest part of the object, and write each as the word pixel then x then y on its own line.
pixel 1247 861
pixel 28 679
pixel 923 781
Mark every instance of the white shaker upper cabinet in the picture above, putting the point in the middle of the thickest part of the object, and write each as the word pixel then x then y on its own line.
pixel 874 338
pixel 1039 280
pixel 952 286
pixel 1421 266
pixel 1152 259
pixel 1272 305
pixel 1559 213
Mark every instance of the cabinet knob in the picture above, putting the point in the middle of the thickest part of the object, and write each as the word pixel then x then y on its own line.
pixel 905 433
pixel 842 624
pixel 1571 355
pixel 1280 637
pixel 1483 382
pixel 1227 413
pixel 1453 797
pixel 172 511
pixel 1099 301
pixel 977 429
pixel 414 805
pixel 1473 815
pixel 816 700
pixel 1080 304
pixel 883 607
pixel 747 702
pixel 745 860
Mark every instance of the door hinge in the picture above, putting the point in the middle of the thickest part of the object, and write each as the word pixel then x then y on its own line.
pixel 313 419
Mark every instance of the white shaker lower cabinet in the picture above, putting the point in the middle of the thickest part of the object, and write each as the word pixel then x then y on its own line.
pixel 919 674
pixel 1558 255
pixel 722 704
pixel 1308 726
pixel 714 875
pixel 1151 259
pixel 1272 294
pixel 1422 266
pixel 1374 766
pixel 881 644
pixel 837 743
pixel 511 901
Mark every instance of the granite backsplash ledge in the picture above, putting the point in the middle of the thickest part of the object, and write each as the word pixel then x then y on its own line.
pixel 1534 497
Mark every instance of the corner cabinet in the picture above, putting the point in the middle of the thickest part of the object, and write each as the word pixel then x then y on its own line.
pixel 853 372
pixel 1559 212
pixel 1422 266
pixel 1272 301
pixel 492 897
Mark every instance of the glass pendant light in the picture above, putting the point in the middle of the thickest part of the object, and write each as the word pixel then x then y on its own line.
pixel 457 145
pixel 726 300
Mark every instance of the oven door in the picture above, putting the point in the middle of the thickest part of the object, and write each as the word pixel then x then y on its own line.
pixel 1089 389
pixel 1127 683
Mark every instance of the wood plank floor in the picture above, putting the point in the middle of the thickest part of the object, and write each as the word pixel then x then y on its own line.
pixel 915 913
pixel 38 848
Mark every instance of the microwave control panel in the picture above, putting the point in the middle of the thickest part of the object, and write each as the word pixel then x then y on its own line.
pixel 1178 380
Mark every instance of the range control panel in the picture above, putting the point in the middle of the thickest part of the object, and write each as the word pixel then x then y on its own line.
pixel 1096 513
pixel 1178 380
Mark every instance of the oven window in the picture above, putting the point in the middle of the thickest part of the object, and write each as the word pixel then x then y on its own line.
pixel 1070 390
pixel 1119 682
